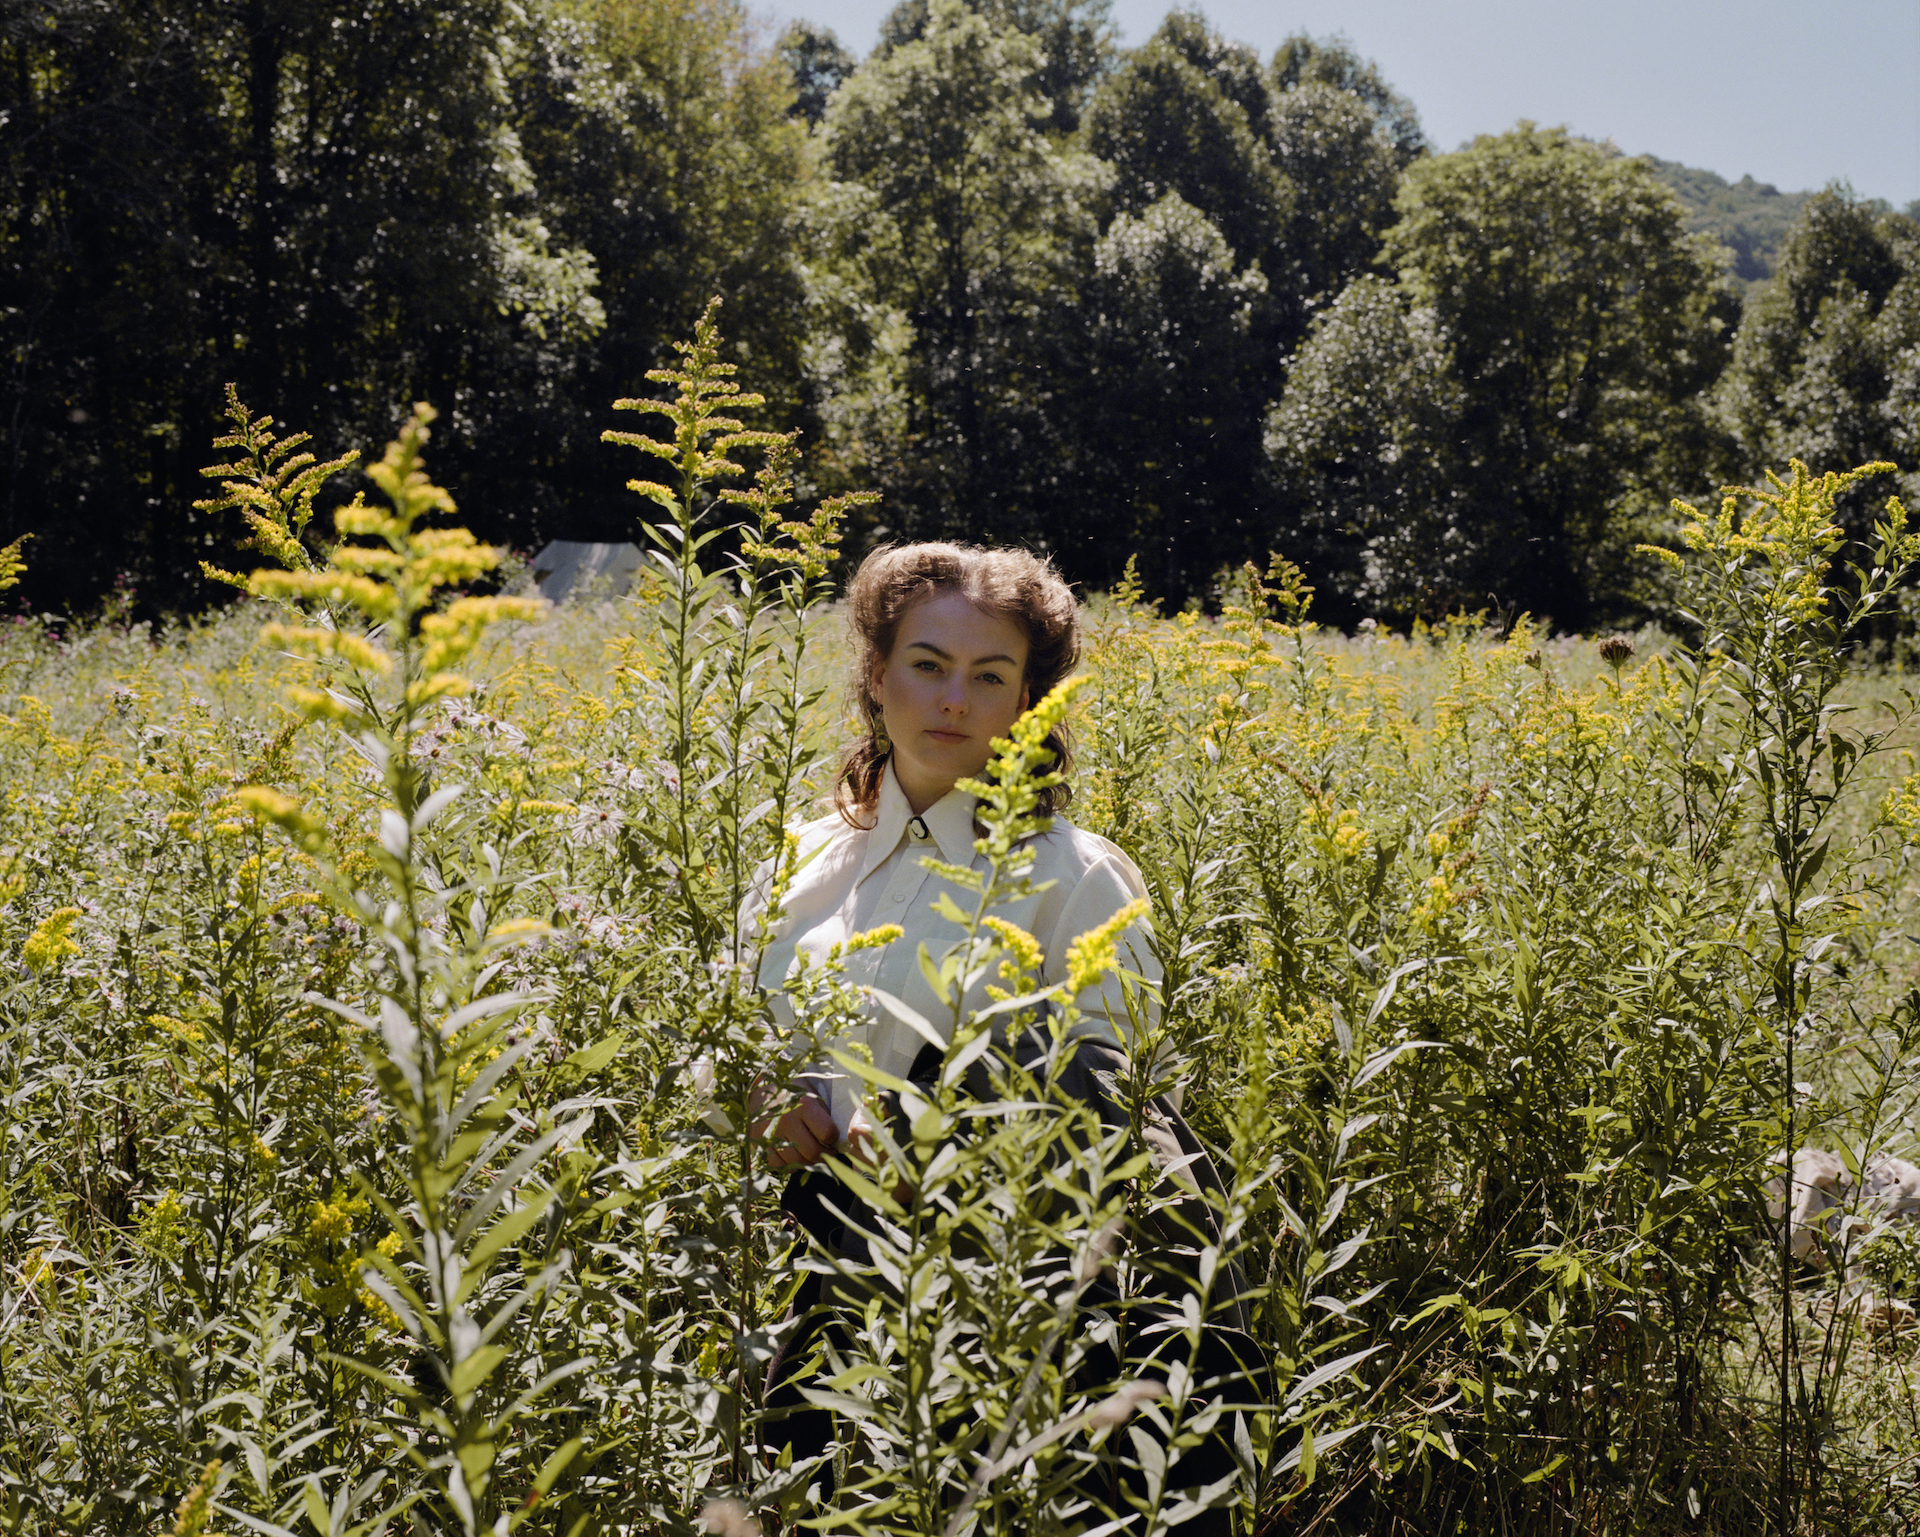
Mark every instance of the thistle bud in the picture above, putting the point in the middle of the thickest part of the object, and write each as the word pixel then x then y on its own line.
pixel 1615 650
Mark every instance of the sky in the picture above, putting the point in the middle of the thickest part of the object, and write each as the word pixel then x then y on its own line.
pixel 1783 90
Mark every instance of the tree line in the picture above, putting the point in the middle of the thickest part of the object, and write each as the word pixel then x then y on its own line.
pixel 1176 303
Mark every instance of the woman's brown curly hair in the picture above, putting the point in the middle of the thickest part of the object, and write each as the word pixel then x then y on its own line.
pixel 1009 584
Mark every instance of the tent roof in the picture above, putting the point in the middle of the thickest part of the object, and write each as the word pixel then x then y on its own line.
pixel 566 567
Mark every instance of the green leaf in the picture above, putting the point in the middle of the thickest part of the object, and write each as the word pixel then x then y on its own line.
pixel 316 1507
pixel 509 1229
pixel 470 1373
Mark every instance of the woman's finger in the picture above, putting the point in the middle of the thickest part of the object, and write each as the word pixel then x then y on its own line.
pixel 804 1135
pixel 818 1120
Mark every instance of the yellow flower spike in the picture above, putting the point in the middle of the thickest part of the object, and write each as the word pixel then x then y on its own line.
pixel 448 557
pixel 339 588
pixel 399 476
pixel 12 567
pixel 329 1223
pixel 50 942
pixel 320 643
pixel 1018 753
pixel 190 1520
pixel 191 1034
pixel 452 634
pixel 383 1315
pixel 1900 810
pixel 264 804
pixel 319 705
pixel 442 685
pixel 1095 953
pixel 1024 958
pixel 271 486
pixel 368 560
pixel 518 931
pixel 357 520
pixel 871 939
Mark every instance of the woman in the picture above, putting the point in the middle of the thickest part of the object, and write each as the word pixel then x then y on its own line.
pixel 953 645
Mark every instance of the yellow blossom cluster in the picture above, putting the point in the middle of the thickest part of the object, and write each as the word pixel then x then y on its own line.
pixel 391 584
pixel 1023 959
pixel 1095 953
pixel 333 1280
pixel 51 941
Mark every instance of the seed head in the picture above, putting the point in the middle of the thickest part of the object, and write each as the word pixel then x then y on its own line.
pixel 1615 650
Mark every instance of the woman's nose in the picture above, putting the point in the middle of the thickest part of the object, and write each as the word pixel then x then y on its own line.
pixel 953 698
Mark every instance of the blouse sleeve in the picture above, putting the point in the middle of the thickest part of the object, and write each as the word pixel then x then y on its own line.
pixel 1110 883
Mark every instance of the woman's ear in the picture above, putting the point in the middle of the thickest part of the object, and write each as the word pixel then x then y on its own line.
pixel 877 680
pixel 1026 697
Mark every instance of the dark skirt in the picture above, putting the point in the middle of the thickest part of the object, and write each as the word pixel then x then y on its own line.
pixel 1162 1251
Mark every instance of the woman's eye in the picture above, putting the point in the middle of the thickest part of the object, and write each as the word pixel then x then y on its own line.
pixel 990 677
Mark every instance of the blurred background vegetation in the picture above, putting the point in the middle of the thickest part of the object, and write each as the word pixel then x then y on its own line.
pixel 1177 299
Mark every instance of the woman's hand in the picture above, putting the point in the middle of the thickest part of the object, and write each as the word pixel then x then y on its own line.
pixel 805 1134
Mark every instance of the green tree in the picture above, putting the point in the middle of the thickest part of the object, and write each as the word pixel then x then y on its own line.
pixel 1302 60
pixel 1167 408
pixel 661 137
pixel 1582 326
pixel 1075 39
pixel 1298 181
pixel 327 204
pixel 1297 168
pixel 118 275
pixel 1233 67
pixel 1364 447
pixel 1344 169
pixel 950 223
pixel 1184 114
pixel 1826 367
pixel 818 64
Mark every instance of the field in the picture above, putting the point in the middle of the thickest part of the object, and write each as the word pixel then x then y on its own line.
pixel 378 1053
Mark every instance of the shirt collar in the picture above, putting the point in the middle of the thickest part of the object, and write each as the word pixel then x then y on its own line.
pixel 949 820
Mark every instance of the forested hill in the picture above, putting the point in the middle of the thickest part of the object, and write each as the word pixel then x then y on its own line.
pixel 1181 302
pixel 1750 218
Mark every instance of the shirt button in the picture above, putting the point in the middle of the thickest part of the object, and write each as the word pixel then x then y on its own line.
pixel 898 896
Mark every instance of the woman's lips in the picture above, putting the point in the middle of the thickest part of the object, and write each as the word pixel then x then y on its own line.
pixel 948 737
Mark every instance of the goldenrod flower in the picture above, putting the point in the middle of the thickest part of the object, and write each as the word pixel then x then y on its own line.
pixel 49 943
pixel 1094 953
pixel 190 1520
pixel 159 1232
pixel 516 931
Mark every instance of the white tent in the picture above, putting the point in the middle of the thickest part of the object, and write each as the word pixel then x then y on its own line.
pixel 567 566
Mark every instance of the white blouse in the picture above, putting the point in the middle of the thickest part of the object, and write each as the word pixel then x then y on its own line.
pixel 850 881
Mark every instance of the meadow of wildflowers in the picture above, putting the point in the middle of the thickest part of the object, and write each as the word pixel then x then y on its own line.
pixel 379 1053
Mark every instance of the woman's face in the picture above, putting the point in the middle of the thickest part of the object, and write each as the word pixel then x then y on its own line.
pixel 955 681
